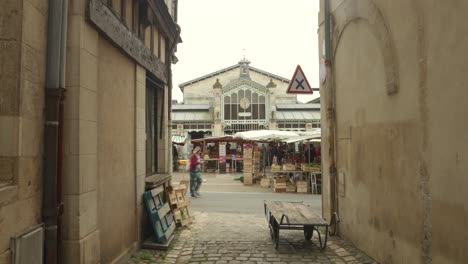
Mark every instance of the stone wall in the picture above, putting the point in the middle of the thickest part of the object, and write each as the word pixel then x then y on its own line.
pixel 80 236
pixel 201 92
pixel 401 153
pixel 116 152
pixel 23 37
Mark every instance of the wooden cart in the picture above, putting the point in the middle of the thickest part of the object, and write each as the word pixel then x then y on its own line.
pixel 294 216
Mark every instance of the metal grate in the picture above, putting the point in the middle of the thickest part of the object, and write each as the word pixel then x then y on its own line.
pixel 28 246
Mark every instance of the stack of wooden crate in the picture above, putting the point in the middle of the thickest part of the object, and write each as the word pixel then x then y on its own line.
pixel 301 186
pixel 256 163
pixel 279 185
pixel 179 204
pixel 265 182
pixel 248 165
pixel 290 187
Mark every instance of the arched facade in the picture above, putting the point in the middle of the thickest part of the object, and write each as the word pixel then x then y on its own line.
pixel 240 98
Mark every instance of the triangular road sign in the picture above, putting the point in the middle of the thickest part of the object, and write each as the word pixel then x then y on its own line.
pixel 299 83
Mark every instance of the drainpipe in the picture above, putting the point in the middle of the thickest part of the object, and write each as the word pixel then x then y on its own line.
pixel 331 120
pixel 54 95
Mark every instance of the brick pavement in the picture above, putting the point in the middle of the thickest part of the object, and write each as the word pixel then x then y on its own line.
pixel 203 242
pixel 241 238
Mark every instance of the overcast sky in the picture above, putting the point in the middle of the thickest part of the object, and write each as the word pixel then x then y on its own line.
pixel 275 35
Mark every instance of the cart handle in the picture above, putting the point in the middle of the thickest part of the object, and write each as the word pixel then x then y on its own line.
pixel 282 217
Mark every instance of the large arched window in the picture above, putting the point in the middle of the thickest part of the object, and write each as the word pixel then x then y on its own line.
pixel 244 104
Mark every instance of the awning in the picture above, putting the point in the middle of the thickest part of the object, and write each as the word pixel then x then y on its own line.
pixel 179 140
pixel 301 139
pixel 191 116
pixel 265 135
pixel 216 139
pixel 297 115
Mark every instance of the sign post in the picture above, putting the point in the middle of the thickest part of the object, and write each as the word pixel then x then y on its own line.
pixel 299 83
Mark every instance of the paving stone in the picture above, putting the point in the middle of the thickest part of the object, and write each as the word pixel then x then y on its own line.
pixel 349 258
pixel 343 253
pixel 193 246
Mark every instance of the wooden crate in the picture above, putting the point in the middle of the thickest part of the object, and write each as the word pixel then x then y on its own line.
pixel 176 196
pixel 248 180
pixel 279 190
pixel 301 186
pixel 289 167
pixel 182 216
pixel 265 182
pixel 291 188
pixel 279 180
pixel 304 167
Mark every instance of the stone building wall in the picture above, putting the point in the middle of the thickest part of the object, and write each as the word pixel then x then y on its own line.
pixel 23 37
pixel 201 92
pixel 401 154
pixel 116 152
pixel 105 152
pixel 104 159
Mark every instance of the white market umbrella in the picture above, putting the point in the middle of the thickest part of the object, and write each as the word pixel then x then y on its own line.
pixel 265 135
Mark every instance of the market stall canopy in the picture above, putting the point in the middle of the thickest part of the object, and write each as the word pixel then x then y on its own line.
pixel 305 136
pixel 313 132
pixel 265 135
pixel 300 139
pixel 215 139
pixel 179 140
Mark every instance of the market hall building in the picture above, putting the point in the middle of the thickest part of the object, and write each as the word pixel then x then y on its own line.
pixel 239 98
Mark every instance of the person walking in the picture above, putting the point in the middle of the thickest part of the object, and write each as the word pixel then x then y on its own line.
pixel 195 173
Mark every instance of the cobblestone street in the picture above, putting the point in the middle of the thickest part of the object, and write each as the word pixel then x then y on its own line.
pixel 227 237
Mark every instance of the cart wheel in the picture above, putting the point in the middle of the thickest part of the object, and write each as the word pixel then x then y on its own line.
pixel 308 232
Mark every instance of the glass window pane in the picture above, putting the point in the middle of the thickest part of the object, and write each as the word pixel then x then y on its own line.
pixel 234 113
pixel 248 94
pixel 234 99
pixel 254 98
pixel 227 99
pixel 255 114
pixel 151 129
pixel 241 94
pixel 129 13
pixel 117 7
pixel 227 112
pixel 262 99
pixel 262 111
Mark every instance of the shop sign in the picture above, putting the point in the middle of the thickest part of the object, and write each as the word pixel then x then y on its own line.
pixel 222 152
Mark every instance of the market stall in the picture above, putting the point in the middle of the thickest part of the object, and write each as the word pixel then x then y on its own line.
pixel 221 154
pixel 293 168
